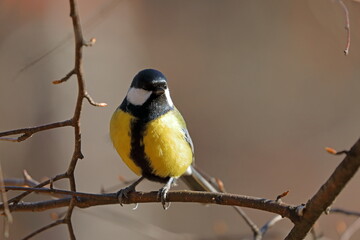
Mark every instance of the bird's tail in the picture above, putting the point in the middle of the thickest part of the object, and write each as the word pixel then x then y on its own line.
pixel 198 181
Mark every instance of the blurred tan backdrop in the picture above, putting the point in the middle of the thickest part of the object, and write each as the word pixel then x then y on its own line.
pixel 264 87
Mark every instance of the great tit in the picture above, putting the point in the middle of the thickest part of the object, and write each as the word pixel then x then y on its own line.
pixel 151 137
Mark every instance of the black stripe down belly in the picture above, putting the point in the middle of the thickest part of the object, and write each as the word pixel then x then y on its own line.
pixel 137 152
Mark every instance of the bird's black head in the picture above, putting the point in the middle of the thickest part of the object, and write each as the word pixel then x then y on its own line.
pixel 150 80
pixel 148 96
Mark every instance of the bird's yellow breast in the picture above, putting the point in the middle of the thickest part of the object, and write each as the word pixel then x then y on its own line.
pixel 165 146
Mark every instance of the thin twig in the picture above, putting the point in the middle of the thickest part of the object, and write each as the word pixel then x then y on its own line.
pixel 77 154
pixel 40 230
pixel 27 180
pixel 7 216
pixel 261 232
pixel 269 224
pixel 68 218
pixel 347 26
pixel 92 102
pixel 18 198
pixel 74 122
pixel 254 228
pixel 9 139
pixel 334 152
pixel 346 212
pixel 28 132
pixel 90 43
pixel 280 196
pixel 64 79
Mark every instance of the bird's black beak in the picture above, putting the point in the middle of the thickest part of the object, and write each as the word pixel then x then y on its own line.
pixel 159 90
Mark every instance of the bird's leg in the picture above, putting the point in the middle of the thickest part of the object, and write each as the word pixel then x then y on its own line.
pixel 124 192
pixel 163 192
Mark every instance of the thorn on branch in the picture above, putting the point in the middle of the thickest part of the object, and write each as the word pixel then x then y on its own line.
pixel 278 198
pixel 327 210
pixel 9 139
pixel 18 139
pixel 334 152
pixel 64 79
pixel 300 209
pixel 24 137
pixel 80 155
pixel 92 102
pixel 51 180
pixel 90 43
pixel 28 180
pixel 220 185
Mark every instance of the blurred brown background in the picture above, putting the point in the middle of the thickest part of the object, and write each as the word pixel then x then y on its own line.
pixel 264 87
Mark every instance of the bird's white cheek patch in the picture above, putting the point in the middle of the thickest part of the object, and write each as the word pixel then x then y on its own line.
pixel 168 98
pixel 137 96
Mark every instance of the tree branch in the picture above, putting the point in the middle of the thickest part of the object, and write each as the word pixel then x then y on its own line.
pixel 85 200
pixel 16 199
pixel 74 122
pixel 327 193
pixel 28 132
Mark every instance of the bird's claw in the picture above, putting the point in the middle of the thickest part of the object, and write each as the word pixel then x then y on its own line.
pixel 162 194
pixel 123 193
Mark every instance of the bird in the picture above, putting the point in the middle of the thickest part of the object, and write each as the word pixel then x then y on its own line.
pixel 151 137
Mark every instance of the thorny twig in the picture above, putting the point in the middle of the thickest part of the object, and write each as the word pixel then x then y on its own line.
pixel 73 122
pixel 347 26
pixel 8 217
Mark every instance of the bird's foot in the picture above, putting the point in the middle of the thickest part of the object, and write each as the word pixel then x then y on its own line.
pixel 123 193
pixel 163 193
